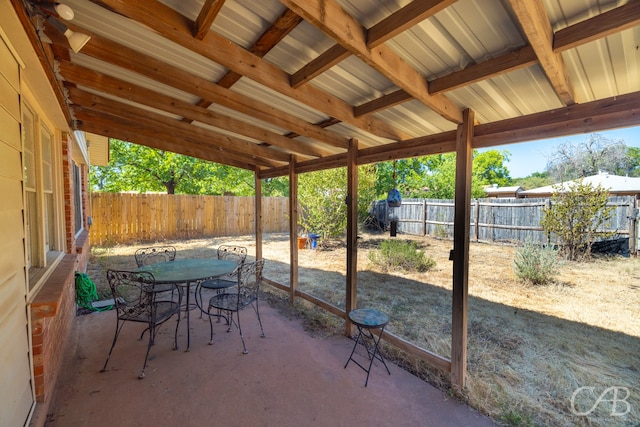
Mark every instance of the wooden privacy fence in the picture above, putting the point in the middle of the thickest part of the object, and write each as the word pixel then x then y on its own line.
pixel 128 217
pixel 495 220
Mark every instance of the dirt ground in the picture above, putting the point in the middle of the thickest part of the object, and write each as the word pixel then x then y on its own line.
pixel 536 355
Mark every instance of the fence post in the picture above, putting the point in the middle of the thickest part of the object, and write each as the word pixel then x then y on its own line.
pixel 477 224
pixel 547 205
pixel 633 239
pixel 424 217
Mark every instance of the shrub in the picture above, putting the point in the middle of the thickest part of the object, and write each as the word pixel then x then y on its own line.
pixel 535 264
pixel 578 211
pixel 401 255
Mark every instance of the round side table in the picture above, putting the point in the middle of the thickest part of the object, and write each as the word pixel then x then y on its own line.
pixel 367 320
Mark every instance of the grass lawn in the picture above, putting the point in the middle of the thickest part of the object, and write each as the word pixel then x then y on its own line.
pixel 537 355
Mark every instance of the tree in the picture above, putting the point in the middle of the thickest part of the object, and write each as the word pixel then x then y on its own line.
pixel 596 153
pixel 576 213
pixel 535 180
pixel 135 167
pixel 437 178
pixel 322 196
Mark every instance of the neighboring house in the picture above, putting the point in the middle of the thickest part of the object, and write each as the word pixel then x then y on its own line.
pixel 43 226
pixel 503 192
pixel 616 184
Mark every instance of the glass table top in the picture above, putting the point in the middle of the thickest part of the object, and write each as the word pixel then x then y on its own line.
pixel 368 317
pixel 188 270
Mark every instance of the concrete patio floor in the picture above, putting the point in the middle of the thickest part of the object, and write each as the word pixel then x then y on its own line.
pixel 289 378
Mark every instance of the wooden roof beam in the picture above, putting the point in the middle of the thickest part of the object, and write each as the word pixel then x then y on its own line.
pixel 125 90
pixel 207 15
pixel 170 125
pixel 175 27
pixel 391 26
pixel 127 130
pixel 605 24
pixel 595 116
pixel 334 21
pixel 127 58
pixel 537 28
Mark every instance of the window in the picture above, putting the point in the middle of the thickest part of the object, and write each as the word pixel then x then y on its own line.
pixel 77 196
pixel 43 238
pixel 29 153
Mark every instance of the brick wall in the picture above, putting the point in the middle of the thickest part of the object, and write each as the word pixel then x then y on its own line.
pixel 52 311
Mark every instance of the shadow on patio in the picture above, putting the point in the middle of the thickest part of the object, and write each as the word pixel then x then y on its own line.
pixel 289 378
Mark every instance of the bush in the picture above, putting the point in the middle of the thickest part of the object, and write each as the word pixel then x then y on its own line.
pixel 401 255
pixel 535 264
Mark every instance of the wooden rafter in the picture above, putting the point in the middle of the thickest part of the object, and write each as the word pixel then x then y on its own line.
pixel 207 15
pixel 391 26
pixel 537 28
pixel 403 19
pixel 164 73
pixel 168 125
pixel 128 130
pixel 175 27
pixel 138 94
pixel 334 21
pixel 267 41
pixel 610 22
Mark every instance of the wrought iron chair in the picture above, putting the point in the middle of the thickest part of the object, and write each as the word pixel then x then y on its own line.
pixel 231 253
pixel 138 299
pixel 249 276
pixel 154 254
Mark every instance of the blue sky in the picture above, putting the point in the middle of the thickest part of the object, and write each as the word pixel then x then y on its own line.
pixel 529 157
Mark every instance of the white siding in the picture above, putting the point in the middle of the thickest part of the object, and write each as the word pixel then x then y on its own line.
pixel 16 394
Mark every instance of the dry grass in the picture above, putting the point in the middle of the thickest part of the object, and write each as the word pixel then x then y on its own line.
pixel 530 348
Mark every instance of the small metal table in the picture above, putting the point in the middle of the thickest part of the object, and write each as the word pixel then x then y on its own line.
pixel 368 319
pixel 184 272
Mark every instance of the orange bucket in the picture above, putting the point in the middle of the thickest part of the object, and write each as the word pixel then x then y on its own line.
pixel 302 242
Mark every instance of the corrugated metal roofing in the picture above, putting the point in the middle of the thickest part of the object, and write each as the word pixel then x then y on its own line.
pixel 462 35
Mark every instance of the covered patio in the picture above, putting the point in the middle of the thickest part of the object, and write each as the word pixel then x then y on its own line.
pixel 289 378
pixel 287 87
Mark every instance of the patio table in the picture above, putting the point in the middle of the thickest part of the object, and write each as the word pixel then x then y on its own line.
pixel 184 272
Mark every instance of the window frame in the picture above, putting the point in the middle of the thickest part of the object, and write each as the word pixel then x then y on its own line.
pixel 43 198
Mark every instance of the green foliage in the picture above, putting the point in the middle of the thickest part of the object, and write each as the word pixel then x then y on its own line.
pixel 437 177
pixel 401 255
pixel 576 213
pixel 535 180
pixel 535 264
pixel 135 167
pixel 322 196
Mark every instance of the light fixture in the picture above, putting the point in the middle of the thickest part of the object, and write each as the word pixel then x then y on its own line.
pixel 55 9
pixel 76 40
pixel 53 12
pixel 64 11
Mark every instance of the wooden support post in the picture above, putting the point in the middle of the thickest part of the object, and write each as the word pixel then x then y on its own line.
pixel 258 214
pixel 293 229
pixel 462 215
pixel 352 233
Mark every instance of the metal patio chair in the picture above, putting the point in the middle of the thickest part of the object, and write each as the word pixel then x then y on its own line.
pixel 228 252
pixel 154 254
pixel 249 276
pixel 138 299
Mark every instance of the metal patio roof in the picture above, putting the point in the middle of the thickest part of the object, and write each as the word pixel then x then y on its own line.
pixel 258 84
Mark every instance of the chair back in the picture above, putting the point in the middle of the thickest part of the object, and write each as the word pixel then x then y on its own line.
pixel 232 253
pixel 154 254
pixel 249 278
pixel 132 293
